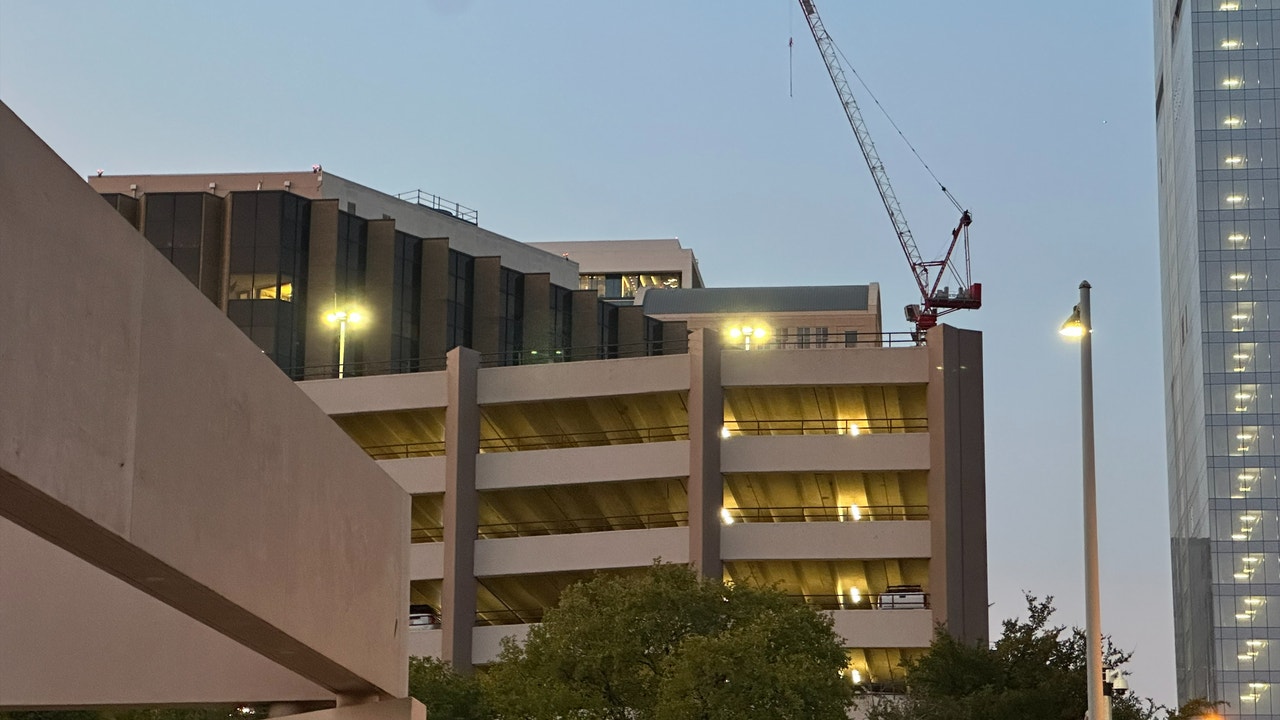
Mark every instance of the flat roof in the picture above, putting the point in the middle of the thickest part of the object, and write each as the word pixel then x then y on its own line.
pixel 673 301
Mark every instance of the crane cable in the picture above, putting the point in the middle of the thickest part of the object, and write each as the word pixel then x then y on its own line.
pixel 895 127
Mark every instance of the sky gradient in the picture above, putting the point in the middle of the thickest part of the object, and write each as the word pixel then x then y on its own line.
pixel 563 120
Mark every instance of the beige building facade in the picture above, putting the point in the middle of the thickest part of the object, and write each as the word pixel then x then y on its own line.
pixel 545 431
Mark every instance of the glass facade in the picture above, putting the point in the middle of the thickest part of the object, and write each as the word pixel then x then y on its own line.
pixel 1218 133
pixel 173 225
pixel 406 303
pixel 270 232
pixel 622 286
pixel 458 316
pixel 511 329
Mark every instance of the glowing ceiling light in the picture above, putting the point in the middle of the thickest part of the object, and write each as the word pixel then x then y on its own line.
pixel 1231 121
pixel 1242 616
pixel 854 429
pixel 1237 237
pixel 1253 601
pixel 1243 396
pixel 855 677
pixel 1238 276
pixel 1244 436
pixel 855 512
pixel 1238 316
pixel 1230 44
pixel 1229 5
pixel 1248 518
pixel 725 516
pixel 724 432
pixel 1239 536
pixel 1241 576
pixel 1233 160
pixel 855 595
pixel 1251 559
pixel 1232 83
pixel 1235 199
pixel 1245 657
pixel 1255 643
pixel 1240 356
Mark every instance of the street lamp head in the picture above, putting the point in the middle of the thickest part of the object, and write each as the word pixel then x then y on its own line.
pixel 355 317
pixel 352 316
pixel 336 316
pixel 1074 326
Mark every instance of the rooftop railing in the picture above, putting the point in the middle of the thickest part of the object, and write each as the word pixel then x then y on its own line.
pixel 432 201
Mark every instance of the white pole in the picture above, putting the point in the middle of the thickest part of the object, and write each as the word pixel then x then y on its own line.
pixel 342 346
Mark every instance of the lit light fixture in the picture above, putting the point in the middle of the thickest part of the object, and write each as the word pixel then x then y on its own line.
pixel 1237 237
pixel 1230 44
pixel 725 516
pixel 855 512
pixel 1243 396
pixel 342 318
pixel 1252 601
pixel 1232 83
pixel 1248 518
pixel 1233 160
pixel 1241 576
pixel 1243 436
pixel 1239 536
pixel 1255 643
pixel 1231 121
pixel 855 677
pixel 854 429
pixel 1240 356
pixel 1251 559
pixel 1229 5
pixel 1239 276
pixel 1238 316
pixel 854 595
pixel 1073 327
pixel 1246 657
pixel 746 333
pixel 1243 616
pixel 1235 199
pixel 724 432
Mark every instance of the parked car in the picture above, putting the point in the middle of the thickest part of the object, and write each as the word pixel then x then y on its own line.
pixel 902 597
pixel 423 617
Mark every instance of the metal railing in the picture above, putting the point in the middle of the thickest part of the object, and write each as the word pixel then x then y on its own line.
pixel 592 438
pixel 400 451
pixel 826 426
pixel 365 369
pixel 432 201
pixel 868 601
pixel 820 338
pixel 426 534
pixel 569 526
pixel 509 616
pixel 543 356
pixel 827 513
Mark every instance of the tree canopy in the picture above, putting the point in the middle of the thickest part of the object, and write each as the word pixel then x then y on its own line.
pixel 665 645
pixel 1033 670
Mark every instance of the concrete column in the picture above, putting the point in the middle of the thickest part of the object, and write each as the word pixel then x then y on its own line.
pixel 435 301
pixel 212 283
pixel 957 483
pixel 486 297
pixel 631 331
pixel 537 314
pixel 706 484
pixel 586 325
pixel 379 286
pixel 462 444
pixel 322 263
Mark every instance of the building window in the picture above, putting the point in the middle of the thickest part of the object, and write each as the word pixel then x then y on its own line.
pixel 270 234
pixel 406 304
pixel 461 279
pixel 511 339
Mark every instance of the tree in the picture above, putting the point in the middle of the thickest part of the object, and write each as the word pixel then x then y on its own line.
pixel 446 694
pixel 668 645
pixel 1034 670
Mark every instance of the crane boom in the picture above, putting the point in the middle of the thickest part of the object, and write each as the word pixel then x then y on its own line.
pixel 934 302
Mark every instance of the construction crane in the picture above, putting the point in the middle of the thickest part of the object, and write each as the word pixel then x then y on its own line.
pixel 935 299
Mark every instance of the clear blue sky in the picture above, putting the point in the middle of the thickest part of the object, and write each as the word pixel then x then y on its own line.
pixel 583 120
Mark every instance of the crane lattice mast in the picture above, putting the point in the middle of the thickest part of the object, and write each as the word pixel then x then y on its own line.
pixel 928 274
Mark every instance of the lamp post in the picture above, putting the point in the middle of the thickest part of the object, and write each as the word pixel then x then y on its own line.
pixel 342 317
pixel 1080 325
pixel 745 333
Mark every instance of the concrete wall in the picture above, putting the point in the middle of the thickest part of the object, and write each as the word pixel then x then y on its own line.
pixel 150 437
pixel 599 378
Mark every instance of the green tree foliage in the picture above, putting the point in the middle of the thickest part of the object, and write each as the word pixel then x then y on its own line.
pixel 446 694
pixel 667 645
pixel 1034 670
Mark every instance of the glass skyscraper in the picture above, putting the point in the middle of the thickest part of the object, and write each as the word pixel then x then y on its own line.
pixel 1219 178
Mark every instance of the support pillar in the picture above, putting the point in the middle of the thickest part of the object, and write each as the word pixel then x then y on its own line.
pixel 462 444
pixel 706 484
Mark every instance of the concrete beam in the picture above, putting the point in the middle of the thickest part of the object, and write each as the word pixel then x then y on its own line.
pixel 147 435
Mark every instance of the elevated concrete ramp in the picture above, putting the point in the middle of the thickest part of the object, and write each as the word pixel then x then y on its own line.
pixel 141 431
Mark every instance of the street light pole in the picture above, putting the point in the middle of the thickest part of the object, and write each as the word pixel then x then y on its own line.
pixel 1081 325
pixel 342 317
